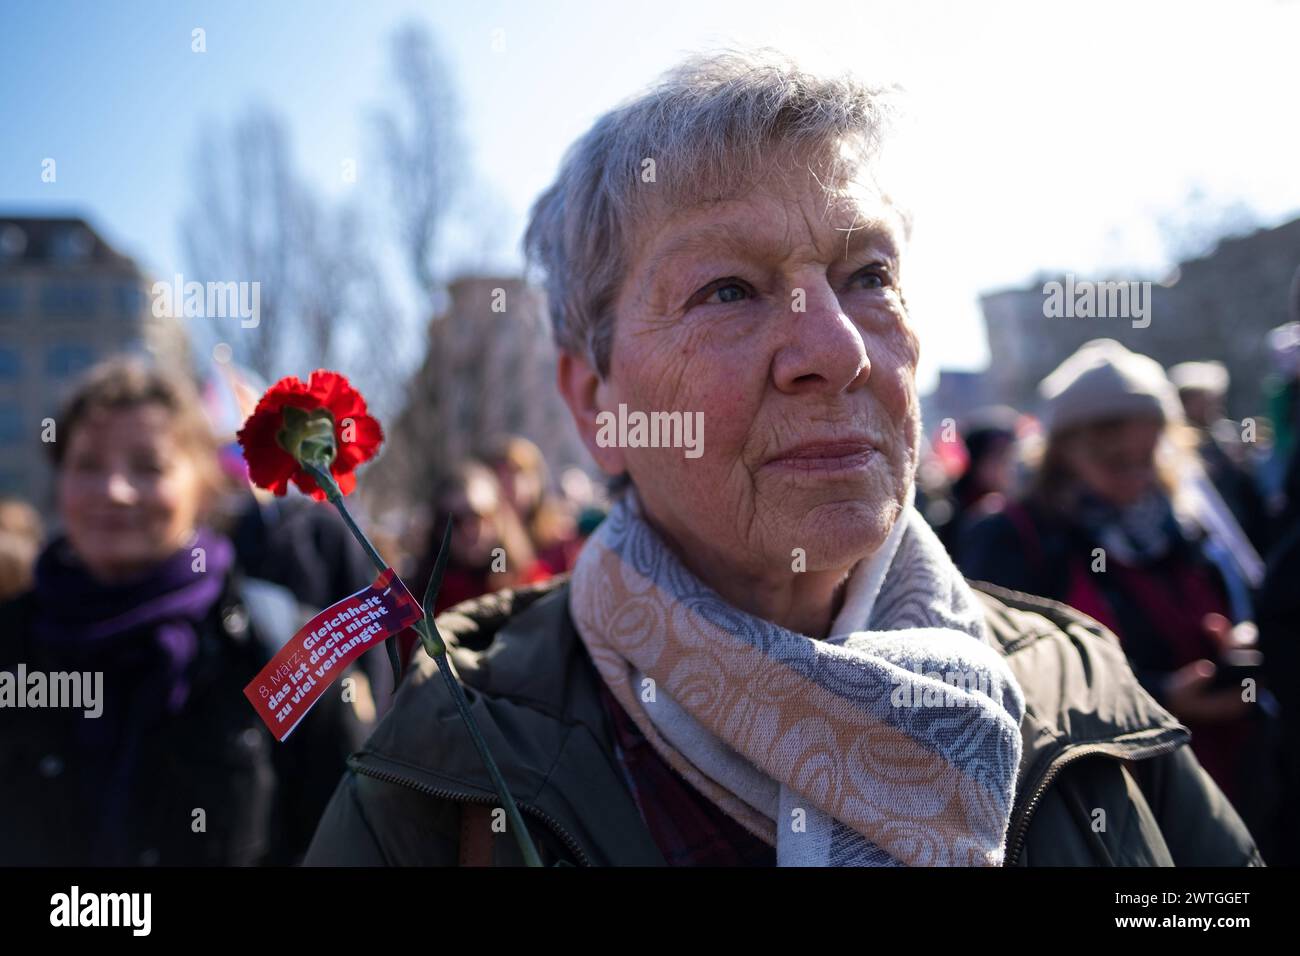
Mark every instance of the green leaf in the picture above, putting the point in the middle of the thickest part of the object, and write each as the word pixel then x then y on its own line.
pixel 435 579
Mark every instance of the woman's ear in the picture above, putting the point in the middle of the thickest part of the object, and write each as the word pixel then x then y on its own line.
pixel 588 398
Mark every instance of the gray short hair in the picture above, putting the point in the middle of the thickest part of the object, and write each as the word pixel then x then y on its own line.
pixel 710 125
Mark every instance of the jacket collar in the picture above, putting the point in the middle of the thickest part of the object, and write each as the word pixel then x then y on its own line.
pixel 1077 683
pixel 533 691
pixel 1078 686
pixel 538 704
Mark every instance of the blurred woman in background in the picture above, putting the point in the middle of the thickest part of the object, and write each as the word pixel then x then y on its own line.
pixel 175 768
pixel 489 548
pixel 525 483
pixel 1102 530
pixel 21 535
pixel 989 439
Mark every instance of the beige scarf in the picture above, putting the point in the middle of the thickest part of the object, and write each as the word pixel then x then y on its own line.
pixel 893 745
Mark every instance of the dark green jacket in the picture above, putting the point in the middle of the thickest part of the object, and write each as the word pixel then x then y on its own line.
pixel 1106 777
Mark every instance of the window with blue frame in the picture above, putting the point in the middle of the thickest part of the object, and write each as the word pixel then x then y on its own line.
pixel 65 360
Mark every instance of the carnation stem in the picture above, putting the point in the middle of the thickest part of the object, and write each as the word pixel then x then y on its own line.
pixel 336 499
pixel 437 649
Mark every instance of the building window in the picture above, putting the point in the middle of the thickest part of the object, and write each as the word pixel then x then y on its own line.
pixel 128 300
pixel 11 364
pixel 11 425
pixel 73 243
pixel 11 300
pixel 13 241
pixel 65 360
pixel 70 300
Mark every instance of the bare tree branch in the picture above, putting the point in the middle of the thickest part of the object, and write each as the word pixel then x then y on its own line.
pixel 422 151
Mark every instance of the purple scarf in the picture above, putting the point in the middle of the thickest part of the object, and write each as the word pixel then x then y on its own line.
pixel 149 619
pixel 143 635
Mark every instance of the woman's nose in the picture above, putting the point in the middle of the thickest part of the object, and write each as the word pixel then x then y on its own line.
pixel 119 490
pixel 823 348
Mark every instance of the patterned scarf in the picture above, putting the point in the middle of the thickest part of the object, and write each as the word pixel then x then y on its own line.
pixel 893 742
pixel 1137 535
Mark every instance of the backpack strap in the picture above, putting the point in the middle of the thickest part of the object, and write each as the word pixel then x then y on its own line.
pixel 475 834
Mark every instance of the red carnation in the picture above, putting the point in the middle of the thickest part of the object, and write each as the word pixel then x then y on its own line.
pixel 324 421
pixel 317 434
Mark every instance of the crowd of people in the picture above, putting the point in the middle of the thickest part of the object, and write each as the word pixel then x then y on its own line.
pixel 1133 498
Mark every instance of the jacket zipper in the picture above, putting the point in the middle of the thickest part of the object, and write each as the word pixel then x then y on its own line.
pixel 1054 768
pixel 546 818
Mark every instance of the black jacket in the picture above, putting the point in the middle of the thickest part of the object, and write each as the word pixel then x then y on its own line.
pixel 260 800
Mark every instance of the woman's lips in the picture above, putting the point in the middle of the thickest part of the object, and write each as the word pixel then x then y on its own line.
pixel 826 457
pixel 113 524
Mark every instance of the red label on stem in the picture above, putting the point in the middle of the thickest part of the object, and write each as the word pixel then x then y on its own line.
pixel 317 655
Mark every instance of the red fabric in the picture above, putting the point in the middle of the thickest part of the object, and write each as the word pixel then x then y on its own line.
pixel 688 827
pixel 1176 604
pixel 1084 596
pixel 1175 600
pixel 459 585
pixel 540 571
pixel 555 560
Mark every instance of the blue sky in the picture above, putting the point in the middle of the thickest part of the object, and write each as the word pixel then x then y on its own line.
pixel 1049 136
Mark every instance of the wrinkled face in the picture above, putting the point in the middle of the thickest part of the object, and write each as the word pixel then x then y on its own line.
pixel 779 318
pixel 1116 461
pixel 128 494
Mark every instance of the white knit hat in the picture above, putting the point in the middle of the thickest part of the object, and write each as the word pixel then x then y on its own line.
pixel 1209 377
pixel 1104 380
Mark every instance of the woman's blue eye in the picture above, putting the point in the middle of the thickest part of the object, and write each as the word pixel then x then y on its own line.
pixel 872 280
pixel 731 292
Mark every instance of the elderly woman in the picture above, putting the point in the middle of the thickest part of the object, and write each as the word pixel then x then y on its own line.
pixel 763 656
pixel 141 607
